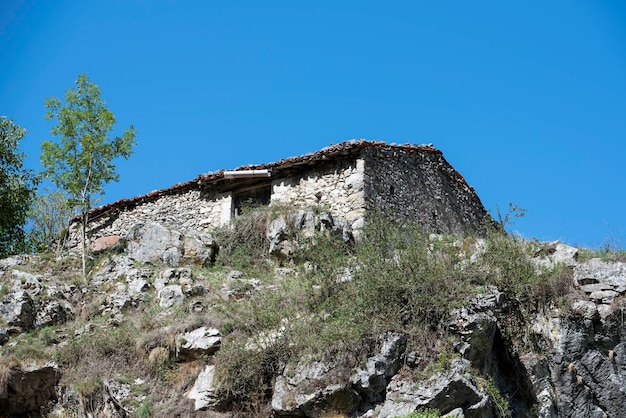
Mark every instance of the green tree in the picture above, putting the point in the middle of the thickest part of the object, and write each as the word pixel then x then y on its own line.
pixel 81 163
pixel 48 217
pixel 17 189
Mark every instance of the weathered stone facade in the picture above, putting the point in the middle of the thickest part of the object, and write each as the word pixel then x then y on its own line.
pixel 337 186
pixel 191 210
pixel 405 182
pixel 421 187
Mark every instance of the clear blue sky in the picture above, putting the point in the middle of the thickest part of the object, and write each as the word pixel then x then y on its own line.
pixel 526 99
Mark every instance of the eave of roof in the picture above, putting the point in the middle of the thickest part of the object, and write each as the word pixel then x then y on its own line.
pixel 344 148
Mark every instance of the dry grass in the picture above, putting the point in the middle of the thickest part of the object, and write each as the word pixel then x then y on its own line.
pixel 5 376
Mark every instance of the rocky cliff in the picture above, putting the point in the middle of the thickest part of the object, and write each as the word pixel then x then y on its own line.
pixel 284 315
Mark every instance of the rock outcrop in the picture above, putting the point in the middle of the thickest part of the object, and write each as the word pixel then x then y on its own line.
pixel 28 388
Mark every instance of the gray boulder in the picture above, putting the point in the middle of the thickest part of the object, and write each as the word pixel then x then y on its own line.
pixel 153 243
pixel 279 239
pixel 203 391
pixel 54 312
pixel 372 378
pixel 31 283
pixel 445 392
pixel 198 343
pixel 314 389
pixel 200 249
pixel 596 271
pixel 18 310
pixel 553 253
pixel 171 295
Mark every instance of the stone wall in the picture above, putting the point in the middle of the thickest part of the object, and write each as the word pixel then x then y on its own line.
pixel 405 183
pixel 336 186
pixel 188 211
pixel 408 185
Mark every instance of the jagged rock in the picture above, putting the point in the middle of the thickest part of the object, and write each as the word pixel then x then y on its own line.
pixel 553 253
pixel 182 276
pixel 476 331
pixel 122 397
pixel 282 241
pixel 444 391
pixel 4 336
pixel 203 390
pixel 538 368
pixel 26 281
pixel 200 249
pixel 371 379
pixel 583 370
pixel 197 343
pixel 314 389
pixel 171 295
pixel 119 300
pixel 153 243
pixel 18 310
pixel 586 309
pixel 237 286
pixel 54 312
pixel 595 270
pixel 7 263
pixel 113 269
pixel 476 326
pixel 305 222
pixel 107 243
pixel 455 413
pixel 138 286
pixel 343 229
pixel 29 389
pixel 278 237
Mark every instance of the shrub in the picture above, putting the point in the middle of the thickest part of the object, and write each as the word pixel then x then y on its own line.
pixel 243 245
pixel 424 413
pixel 397 279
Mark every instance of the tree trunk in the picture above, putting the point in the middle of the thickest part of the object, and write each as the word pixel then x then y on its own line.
pixel 84 232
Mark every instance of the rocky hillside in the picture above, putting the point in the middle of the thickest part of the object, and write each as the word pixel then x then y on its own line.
pixel 285 315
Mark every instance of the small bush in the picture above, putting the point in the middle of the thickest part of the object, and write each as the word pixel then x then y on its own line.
pixel 424 413
pixel 243 245
pixel 499 402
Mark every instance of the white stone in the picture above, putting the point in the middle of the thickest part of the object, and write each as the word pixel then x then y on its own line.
pixel 203 390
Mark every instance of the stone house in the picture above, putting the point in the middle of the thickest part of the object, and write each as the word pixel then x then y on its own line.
pixel 405 182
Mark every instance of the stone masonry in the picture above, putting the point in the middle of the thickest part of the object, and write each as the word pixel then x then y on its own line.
pixel 404 182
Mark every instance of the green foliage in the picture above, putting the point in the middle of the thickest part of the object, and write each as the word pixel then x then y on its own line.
pixel 424 413
pixel 99 351
pixel 17 189
pixel 49 216
pixel 81 163
pixel 397 279
pixel 243 245
pixel 514 211
pixel 605 253
pixel 499 402
pixel 145 410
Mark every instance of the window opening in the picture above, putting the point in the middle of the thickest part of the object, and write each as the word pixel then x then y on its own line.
pixel 252 198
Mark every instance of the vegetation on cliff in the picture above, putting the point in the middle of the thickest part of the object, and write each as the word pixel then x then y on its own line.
pixel 332 299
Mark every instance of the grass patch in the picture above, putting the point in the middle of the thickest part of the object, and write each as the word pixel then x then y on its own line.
pixel 424 413
pixel 605 253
